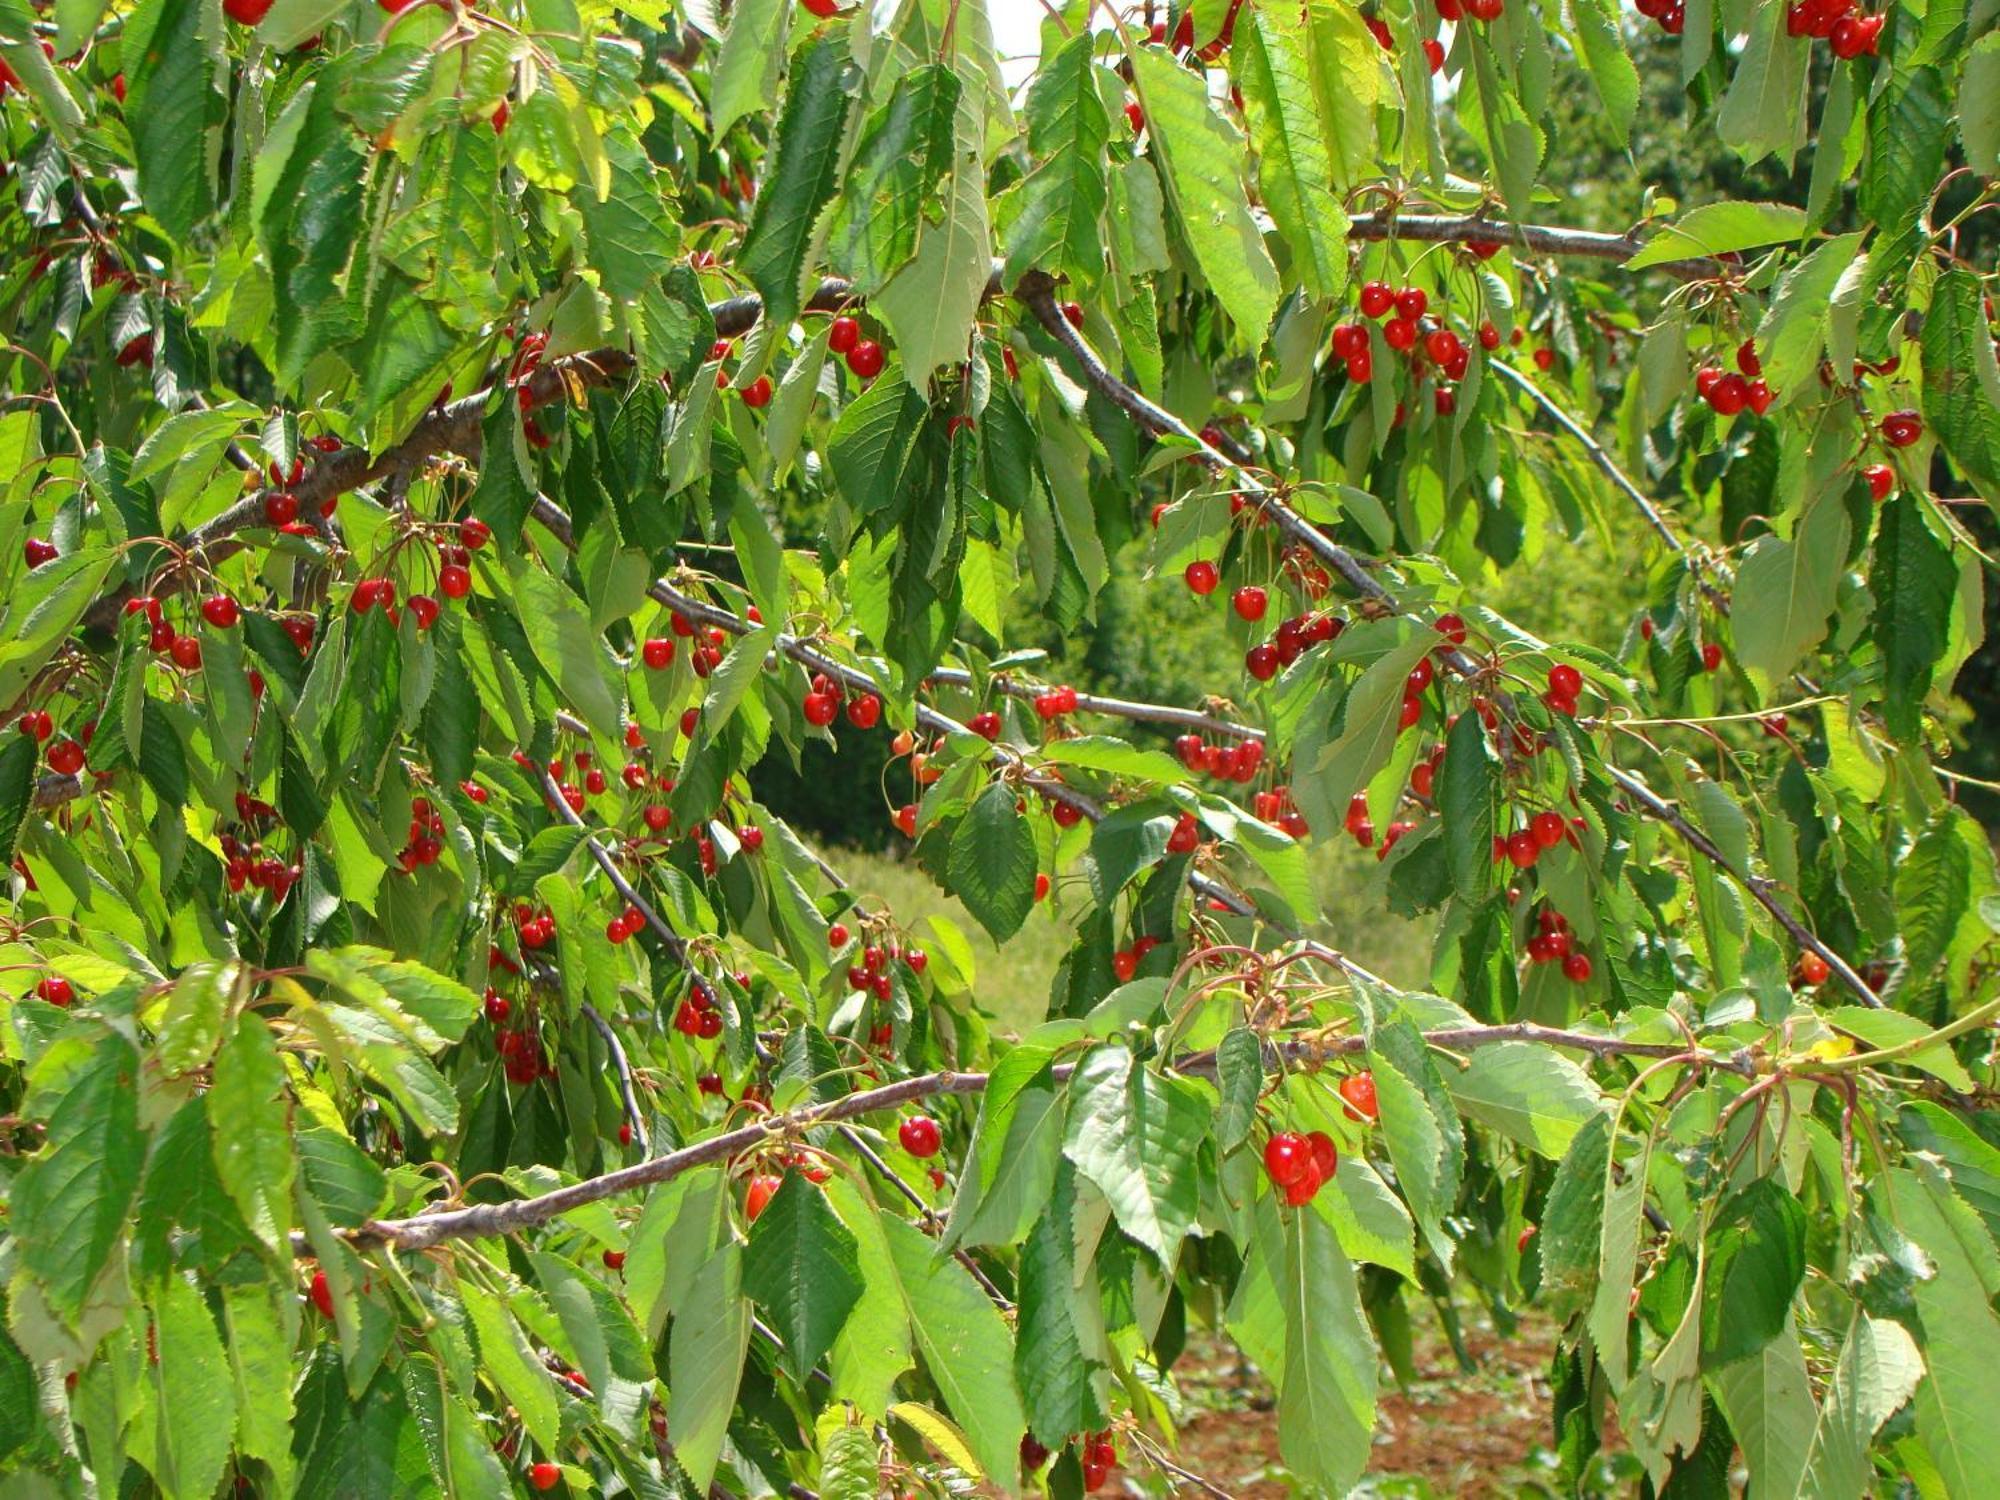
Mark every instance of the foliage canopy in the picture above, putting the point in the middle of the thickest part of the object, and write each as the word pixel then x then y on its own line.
pixel 450 449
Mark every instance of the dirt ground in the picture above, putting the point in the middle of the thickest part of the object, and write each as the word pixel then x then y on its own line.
pixel 1450 1434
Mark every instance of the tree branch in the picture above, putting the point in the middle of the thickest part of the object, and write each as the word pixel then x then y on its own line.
pixel 427 1230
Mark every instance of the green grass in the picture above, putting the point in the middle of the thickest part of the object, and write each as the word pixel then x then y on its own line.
pixel 1012 981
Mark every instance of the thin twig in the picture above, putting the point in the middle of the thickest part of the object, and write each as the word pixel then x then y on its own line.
pixel 633 1114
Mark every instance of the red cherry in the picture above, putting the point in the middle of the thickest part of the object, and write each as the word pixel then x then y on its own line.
pixel 986 725
pixel 1523 849
pixel 758 392
pixel 1443 346
pixel 1412 303
pixel 1489 337
pixel 1711 657
pixel 1041 887
pixel 1400 334
pixel 246 12
pixel 497 1007
pixel 1202 577
pixel 1881 481
pixel 837 935
pixel 864 711
pixel 1576 968
pixel 66 757
pixel 865 359
pixel 919 1136
pixel 1288 1156
pixel 1360 366
pixel 844 334
pixel 658 652
pixel 1358 1091
pixel 474 533
pixel 1249 602
pixel 322 1295
pixel 281 507
pixel 1433 53
pixel 1325 1157
pixel 1902 428
pixel 1376 299
pixel 819 709
pixel 424 609
pixel 1262 662
pixel 56 990
pixel 822 8
pixel 751 836
pixel 36 551
pixel 1185 836
pixel 544 1475
pixel 186 652
pixel 614 1260
pixel 1545 359
pixel 1565 681
pixel 1548 829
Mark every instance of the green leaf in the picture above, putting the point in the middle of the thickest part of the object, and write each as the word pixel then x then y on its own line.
pixel 1756 1260
pixel 1893 1028
pixel 1239 1078
pixel 802 173
pixel 1719 228
pixel 1347 82
pixel 1530 1093
pixel 1793 331
pixel 18 761
pixel 191 1381
pixel 260 1365
pixel 1786 589
pixel 507 1360
pixel 848 1463
pixel 993 862
pixel 966 1346
pixel 1326 1401
pixel 1768 1402
pixel 68 1205
pixel 930 305
pixel 607 1344
pixel 1609 64
pixel 751 61
pixel 705 1353
pixel 800 1267
pixel 1201 160
pixel 1762 113
pixel 1467 794
pixel 631 239
pixel 874 1346
pixel 1933 893
pixel 1913 581
pixel 253 1149
pixel 1959 1332
pixel 870 446
pixel 177 97
pixel 1909 126
pixel 1060 206
pixel 41 609
pixel 558 629
pixel 1878 1372
pixel 1961 384
pixel 1979 106
pixel 1420 1128
pixel 1294 166
pixel 1135 1134
pixel 1370 723
pixel 905 147
pixel 1049 1361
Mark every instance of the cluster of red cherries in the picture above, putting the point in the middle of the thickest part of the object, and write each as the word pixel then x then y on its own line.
pixel 1552 943
pixel 1835 22
pixel 1097 1456
pixel 871 975
pixel 864 356
pixel 1407 330
pixel 1728 392
pixel 822 703
pixel 65 756
pixel 1671 14
pixel 1292 639
pixel 1360 826
pixel 1300 1165
pixel 426 840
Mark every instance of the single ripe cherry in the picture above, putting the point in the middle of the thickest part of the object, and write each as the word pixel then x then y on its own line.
pixel 424 610
pixel 843 335
pixel 186 652
pixel 66 757
pixel 864 711
pixel 1548 829
pixel 758 392
pixel 658 652
pixel 865 359
pixel 1576 968
pixel 545 1475
pixel 919 1136
pixel 1711 656
pixel 819 709
pixel 322 1295
pixel 1565 681
pixel 1249 602
pixel 1881 481
pixel 1902 428
pixel 454 582
pixel 56 990
pixel 614 1260
pixel 1357 1090
pixel 1325 1157
pixel 1523 849
pixel 220 611
pixel 763 1188
pixel 1288 1156
pixel 1202 577
pixel 1376 299
pixel 1812 969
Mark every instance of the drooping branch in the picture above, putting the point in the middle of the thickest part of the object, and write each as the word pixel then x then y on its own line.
pixel 424 1231
pixel 1541 239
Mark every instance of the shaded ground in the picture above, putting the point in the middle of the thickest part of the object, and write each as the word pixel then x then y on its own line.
pixel 1451 1434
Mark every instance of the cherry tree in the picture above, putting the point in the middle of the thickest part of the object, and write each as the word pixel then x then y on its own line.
pixel 449 449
